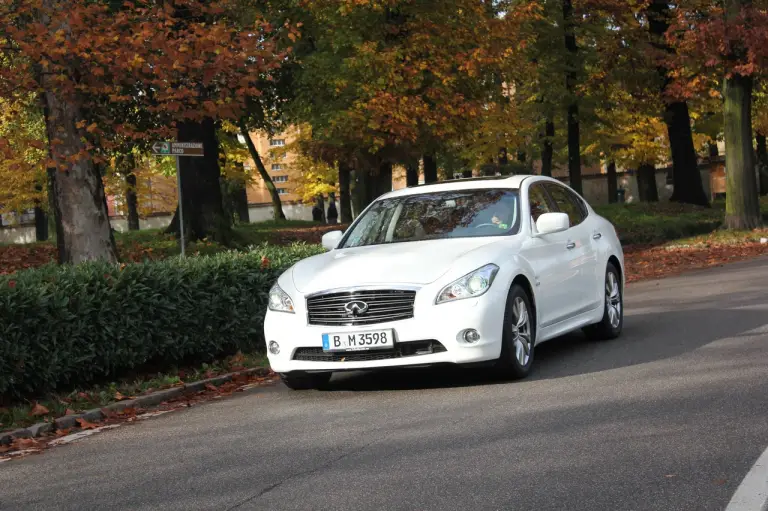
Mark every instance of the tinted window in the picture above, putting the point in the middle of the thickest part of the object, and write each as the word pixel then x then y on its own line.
pixel 439 215
pixel 567 203
pixel 539 201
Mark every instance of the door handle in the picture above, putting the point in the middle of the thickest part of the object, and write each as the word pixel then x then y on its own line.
pixel 571 245
pixel 597 236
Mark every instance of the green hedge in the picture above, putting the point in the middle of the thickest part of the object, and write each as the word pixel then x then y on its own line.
pixel 61 326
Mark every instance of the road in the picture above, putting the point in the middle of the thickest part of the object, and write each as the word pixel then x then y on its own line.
pixel 671 416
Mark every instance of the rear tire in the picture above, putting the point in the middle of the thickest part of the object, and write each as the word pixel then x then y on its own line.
pixel 613 309
pixel 305 381
pixel 519 335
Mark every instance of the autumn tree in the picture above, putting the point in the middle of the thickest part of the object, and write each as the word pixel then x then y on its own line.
pixel 22 161
pixel 726 43
pixel 397 80
pixel 686 178
pixel 181 63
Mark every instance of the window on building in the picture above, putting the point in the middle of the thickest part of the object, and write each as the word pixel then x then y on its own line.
pixel 277 142
pixel 282 191
pixel 276 166
pixel 280 179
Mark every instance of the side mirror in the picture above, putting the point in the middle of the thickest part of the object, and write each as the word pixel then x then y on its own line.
pixel 331 239
pixel 550 223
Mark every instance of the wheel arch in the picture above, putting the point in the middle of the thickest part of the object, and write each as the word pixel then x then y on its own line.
pixel 521 280
pixel 615 261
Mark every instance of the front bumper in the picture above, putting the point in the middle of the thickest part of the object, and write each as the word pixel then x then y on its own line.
pixel 443 323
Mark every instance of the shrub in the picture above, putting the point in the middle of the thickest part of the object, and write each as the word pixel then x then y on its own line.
pixel 61 326
pixel 642 223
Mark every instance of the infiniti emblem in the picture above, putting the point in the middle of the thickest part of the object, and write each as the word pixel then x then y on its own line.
pixel 356 308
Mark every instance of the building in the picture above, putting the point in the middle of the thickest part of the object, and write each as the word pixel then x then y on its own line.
pixel 279 161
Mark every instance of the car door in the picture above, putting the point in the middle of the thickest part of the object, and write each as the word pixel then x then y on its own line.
pixel 554 266
pixel 582 257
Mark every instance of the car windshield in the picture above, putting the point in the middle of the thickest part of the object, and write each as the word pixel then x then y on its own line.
pixel 437 215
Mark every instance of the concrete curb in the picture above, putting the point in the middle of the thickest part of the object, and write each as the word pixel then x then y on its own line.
pixel 149 400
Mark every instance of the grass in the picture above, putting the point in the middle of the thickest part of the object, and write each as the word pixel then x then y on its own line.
pixel 80 400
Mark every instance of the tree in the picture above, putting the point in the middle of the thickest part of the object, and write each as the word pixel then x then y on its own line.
pixel 742 207
pixel 397 81
pixel 574 140
pixel 165 67
pixel 727 43
pixel 686 178
pixel 22 161
pixel 277 205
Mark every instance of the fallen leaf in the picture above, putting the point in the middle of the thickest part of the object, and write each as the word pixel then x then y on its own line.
pixel 24 443
pixel 211 387
pixel 38 410
pixel 119 396
pixel 63 432
pixel 84 424
pixel 69 411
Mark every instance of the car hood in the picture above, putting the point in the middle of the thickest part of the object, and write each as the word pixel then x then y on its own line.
pixel 419 262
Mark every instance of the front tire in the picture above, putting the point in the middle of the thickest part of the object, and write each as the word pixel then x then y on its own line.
pixel 613 313
pixel 305 381
pixel 519 335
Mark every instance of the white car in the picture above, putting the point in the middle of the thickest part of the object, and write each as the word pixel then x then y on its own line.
pixel 462 272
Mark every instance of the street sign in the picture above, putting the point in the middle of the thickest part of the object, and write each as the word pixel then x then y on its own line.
pixel 178 149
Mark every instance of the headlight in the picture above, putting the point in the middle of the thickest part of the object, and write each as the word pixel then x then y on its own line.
pixel 279 301
pixel 471 285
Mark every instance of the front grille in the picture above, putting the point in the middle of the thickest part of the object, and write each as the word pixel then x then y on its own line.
pixel 383 306
pixel 402 350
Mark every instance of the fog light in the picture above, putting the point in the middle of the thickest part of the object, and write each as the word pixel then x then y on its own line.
pixel 471 336
pixel 274 348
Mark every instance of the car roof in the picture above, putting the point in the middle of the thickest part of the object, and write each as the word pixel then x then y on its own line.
pixel 476 183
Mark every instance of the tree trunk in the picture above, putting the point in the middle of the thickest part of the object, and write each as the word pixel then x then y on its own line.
pixel 361 189
pixel 412 174
pixel 547 150
pixel 240 200
pixel 41 224
pixel 320 203
pixel 762 163
pixel 574 137
pixel 430 169
pixel 204 215
pixel 277 205
pixel 613 185
pixel 714 152
pixel 132 202
pixel 503 156
pixel 646 183
pixel 686 177
pixel 382 182
pixel 742 205
pixel 83 230
pixel 345 204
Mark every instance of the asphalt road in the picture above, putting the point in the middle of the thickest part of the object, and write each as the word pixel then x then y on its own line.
pixel 670 417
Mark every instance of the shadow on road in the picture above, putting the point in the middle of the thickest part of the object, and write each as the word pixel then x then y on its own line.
pixel 647 338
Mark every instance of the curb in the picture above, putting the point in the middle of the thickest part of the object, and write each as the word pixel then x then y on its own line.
pixel 96 414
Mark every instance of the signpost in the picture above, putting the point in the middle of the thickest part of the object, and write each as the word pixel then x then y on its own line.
pixel 179 150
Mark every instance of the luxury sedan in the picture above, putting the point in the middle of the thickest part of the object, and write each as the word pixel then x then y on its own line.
pixel 467 272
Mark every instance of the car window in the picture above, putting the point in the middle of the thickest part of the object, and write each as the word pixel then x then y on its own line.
pixel 539 201
pixel 437 215
pixel 567 202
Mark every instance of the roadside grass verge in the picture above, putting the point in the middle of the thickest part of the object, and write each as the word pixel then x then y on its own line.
pixel 80 399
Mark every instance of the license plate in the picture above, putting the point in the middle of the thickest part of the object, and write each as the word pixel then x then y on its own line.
pixel 359 341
